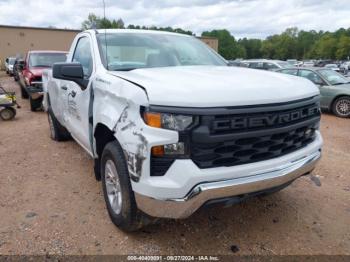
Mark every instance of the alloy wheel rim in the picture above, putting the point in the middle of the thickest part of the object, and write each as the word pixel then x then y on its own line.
pixel 113 188
pixel 343 107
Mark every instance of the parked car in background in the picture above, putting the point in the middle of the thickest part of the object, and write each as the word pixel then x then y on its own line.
pixel 9 61
pixel 30 78
pixel 334 88
pixel 17 68
pixel 333 67
pixel 345 66
pixel 293 62
pixel 322 63
pixel 265 64
pixel 308 64
pixel 233 62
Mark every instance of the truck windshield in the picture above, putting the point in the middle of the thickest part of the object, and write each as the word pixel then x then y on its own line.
pixel 46 59
pixel 128 51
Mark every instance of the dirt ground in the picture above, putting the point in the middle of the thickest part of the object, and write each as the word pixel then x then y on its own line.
pixel 51 203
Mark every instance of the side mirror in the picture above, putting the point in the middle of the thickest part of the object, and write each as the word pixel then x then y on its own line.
pixel 21 64
pixel 70 71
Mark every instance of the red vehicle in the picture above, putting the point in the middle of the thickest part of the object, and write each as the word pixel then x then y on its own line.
pixel 30 79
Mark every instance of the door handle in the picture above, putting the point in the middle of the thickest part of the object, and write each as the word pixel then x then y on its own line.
pixel 64 87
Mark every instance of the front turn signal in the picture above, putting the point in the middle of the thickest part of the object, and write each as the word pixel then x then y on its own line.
pixel 158 151
pixel 153 119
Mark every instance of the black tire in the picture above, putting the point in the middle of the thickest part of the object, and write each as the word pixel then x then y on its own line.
pixel 24 93
pixel 341 107
pixel 57 131
pixel 8 113
pixel 35 104
pixel 130 218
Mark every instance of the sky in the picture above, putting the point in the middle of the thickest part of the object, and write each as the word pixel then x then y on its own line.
pixel 243 18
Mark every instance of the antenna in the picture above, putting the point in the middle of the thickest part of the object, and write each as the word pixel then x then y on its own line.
pixel 104 18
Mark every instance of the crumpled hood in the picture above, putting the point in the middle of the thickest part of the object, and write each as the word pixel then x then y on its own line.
pixel 215 86
pixel 37 71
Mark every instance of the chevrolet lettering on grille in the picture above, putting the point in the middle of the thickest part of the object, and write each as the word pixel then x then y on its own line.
pixel 269 120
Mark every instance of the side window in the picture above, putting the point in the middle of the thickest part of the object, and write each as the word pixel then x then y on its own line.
pixel 270 66
pixel 82 54
pixel 311 76
pixel 256 65
pixel 252 65
pixel 260 65
pixel 290 71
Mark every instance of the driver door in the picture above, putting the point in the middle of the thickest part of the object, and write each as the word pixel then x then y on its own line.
pixel 78 100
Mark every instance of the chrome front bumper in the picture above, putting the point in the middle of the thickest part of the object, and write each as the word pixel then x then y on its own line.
pixel 201 193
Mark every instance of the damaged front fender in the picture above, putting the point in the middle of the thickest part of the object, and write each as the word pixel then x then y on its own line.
pixel 118 108
pixel 137 140
pixel 128 131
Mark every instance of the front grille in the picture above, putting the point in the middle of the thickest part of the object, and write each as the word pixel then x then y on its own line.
pixel 37 79
pixel 254 134
pixel 36 82
pixel 223 137
pixel 252 148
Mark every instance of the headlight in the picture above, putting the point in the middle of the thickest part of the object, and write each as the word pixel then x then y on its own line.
pixel 168 121
pixel 172 122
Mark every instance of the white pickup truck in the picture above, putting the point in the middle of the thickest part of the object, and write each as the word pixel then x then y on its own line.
pixel 172 128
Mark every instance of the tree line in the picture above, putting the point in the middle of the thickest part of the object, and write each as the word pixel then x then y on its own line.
pixel 290 44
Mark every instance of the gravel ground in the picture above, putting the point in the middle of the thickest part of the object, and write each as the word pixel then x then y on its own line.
pixel 51 203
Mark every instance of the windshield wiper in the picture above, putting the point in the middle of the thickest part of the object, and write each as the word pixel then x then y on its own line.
pixel 127 69
pixel 336 84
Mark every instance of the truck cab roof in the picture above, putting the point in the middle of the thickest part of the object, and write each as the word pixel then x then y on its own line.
pixel 134 31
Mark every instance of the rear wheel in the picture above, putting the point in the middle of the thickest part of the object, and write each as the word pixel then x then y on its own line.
pixel 35 104
pixel 57 131
pixel 118 194
pixel 7 113
pixel 341 106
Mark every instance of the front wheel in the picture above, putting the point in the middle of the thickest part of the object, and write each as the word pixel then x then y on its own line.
pixel 341 106
pixel 117 191
pixel 24 94
pixel 35 104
